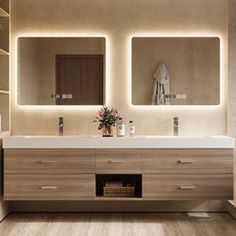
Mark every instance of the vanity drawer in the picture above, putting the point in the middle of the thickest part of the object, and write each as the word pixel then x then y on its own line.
pixel 118 161
pixel 49 186
pixel 49 161
pixel 188 161
pixel 187 186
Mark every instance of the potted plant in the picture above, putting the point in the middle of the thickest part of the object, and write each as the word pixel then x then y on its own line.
pixel 107 119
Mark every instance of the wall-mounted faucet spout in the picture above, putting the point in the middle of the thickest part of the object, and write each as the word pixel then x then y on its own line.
pixel 61 126
pixel 176 126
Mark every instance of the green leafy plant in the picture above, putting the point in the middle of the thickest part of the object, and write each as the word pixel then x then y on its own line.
pixel 107 117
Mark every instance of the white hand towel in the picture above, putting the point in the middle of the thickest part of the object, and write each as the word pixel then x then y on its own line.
pixel 161 86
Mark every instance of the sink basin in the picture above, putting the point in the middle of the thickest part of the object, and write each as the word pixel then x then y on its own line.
pixel 54 136
pixel 150 141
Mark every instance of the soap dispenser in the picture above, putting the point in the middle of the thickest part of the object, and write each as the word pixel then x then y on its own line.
pixel 120 128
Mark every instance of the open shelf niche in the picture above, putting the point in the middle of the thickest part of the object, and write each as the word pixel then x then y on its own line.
pixel 113 186
pixel 4 63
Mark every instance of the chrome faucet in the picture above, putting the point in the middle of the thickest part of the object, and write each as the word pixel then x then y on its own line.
pixel 61 126
pixel 176 126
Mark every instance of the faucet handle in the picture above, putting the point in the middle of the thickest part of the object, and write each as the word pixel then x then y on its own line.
pixel 61 125
pixel 60 121
pixel 176 118
pixel 176 126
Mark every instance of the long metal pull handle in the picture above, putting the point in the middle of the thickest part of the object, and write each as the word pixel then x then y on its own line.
pixel 47 187
pixel 47 162
pixel 187 161
pixel 115 162
pixel 187 187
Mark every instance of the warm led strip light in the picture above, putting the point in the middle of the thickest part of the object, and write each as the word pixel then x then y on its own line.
pixel 177 107
pixel 129 71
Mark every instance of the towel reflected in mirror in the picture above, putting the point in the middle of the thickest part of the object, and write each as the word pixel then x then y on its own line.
pixel 161 85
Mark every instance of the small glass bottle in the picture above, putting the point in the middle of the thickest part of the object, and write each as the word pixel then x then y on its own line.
pixel 120 128
pixel 131 128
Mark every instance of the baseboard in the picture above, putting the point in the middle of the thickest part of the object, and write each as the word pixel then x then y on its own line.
pixel 118 206
pixel 4 210
pixel 231 208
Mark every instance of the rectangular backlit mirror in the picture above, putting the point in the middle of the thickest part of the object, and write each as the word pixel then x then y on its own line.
pixel 61 71
pixel 175 71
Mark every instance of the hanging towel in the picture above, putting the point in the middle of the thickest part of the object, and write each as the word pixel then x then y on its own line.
pixel 161 87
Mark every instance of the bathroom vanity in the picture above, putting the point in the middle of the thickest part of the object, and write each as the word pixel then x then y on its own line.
pixel 3 204
pixel 74 167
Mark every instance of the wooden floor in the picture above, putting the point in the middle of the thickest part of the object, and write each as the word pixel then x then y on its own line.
pixel 107 224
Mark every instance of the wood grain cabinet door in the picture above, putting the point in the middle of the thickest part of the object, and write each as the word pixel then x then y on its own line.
pixel 49 161
pixel 118 161
pixel 187 186
pixel 188 161
pixel 49 186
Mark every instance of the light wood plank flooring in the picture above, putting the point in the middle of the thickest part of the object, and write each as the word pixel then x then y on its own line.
pixel 116 224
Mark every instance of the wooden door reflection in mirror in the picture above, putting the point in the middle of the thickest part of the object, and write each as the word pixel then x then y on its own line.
pixel 79 79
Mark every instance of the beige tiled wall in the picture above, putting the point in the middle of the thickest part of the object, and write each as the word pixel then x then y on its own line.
pixel 231 121
pixel 118 21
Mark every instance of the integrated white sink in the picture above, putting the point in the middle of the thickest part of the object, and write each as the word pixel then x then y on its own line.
pixel 117 142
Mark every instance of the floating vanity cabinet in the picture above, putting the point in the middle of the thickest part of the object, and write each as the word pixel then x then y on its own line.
pixel 187 174
pixel 3 205
pixel 49 174
pixel 133 169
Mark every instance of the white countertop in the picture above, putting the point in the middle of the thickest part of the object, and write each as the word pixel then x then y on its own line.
pixel 4 134
pixel 117 142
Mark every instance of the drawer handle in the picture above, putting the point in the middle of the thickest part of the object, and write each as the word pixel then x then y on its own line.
pixel 115 162
pixel 47 162
pixel 186 161
pixel 49 187
pixel 190 187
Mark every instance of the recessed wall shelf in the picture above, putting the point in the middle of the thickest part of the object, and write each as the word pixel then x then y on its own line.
pixel 3 13
pixel 3 52
pixel 4 35
pixel 5 6
pixel 4 63
pixel 4 92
